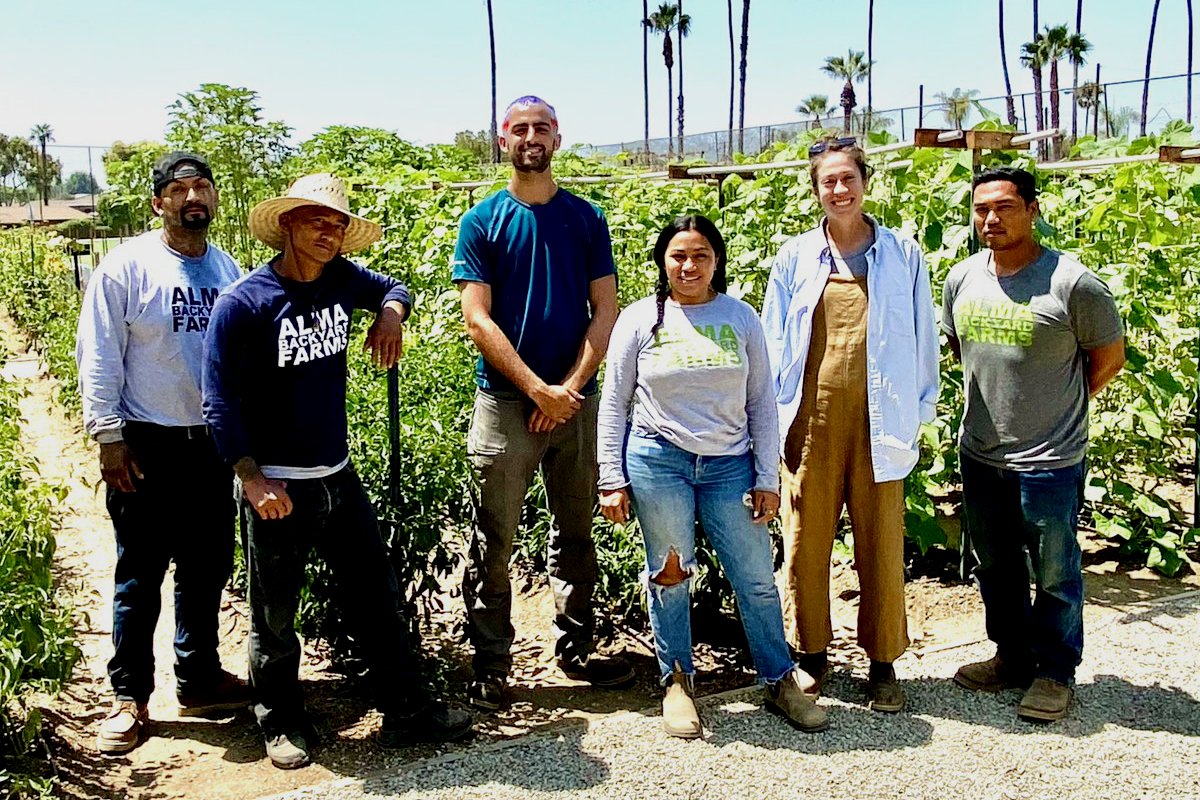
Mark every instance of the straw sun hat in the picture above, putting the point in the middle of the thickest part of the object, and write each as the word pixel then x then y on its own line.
pixel 321 189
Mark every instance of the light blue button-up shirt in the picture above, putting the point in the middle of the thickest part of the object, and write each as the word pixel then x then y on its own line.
pixel 902 340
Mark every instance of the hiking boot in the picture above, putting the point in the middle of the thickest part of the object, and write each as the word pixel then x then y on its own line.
pixel 993 675
pixel 679 709
pixel 786 698
pixel 287 750
pixel 603 672
pixel 883 690
pixel 487 691
pixel 436 722
pixel 814 669
pixel 230 693
pixel 1045 701
pixel 121 729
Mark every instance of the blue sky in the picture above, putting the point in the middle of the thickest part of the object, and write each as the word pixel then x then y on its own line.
pixel 108 70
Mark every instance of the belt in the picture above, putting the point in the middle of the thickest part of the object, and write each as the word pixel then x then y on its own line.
pixel 173 432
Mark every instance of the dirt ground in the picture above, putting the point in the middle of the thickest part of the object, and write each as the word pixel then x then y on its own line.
pixel 188 758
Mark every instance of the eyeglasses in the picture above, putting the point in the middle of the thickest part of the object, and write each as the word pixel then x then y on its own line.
pixel 816 148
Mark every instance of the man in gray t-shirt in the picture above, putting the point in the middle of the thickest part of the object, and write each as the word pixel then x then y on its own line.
pixel 1038 334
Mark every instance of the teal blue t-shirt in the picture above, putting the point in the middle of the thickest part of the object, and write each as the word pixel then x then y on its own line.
pixel 540 261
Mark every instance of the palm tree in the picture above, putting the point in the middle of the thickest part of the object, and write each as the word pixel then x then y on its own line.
pixel 646 78
pixel 1088 97
pixel 1146 81
pixel 492 44
pixel 853 67
pixel 1008 95
pixel 958 105
pixel 663 21
pixel 870 59
pixel 1055 49
pixel 42 134
pixel 732 79
pixel 814 106
pixel 682 28
pixel 742 87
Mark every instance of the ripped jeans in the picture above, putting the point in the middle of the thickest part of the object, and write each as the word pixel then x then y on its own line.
pixel 669 486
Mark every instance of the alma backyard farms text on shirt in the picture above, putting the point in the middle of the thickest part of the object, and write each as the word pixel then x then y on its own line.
pixel 307 337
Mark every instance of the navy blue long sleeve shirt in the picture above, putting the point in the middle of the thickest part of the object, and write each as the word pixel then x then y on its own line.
pixel 274 369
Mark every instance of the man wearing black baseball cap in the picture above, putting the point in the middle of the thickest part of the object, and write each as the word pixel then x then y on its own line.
pixel 139 346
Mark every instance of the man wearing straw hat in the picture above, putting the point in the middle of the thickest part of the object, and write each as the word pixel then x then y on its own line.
pixel 275 396
pixel 139 345
pixel 535 270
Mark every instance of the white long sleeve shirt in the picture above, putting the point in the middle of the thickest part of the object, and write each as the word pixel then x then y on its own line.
pixel 902 339
pixel 141 334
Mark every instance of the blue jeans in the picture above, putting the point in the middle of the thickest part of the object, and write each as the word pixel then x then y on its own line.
pixel 668 486
pixel 1007 514
pixel 334 515
pixel 182 511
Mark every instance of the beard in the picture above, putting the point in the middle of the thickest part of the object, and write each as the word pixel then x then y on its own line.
pixel 193 221
pixel 524 161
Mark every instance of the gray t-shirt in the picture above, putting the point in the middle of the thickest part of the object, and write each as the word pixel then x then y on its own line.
pixel 702 382
pixel 1022 339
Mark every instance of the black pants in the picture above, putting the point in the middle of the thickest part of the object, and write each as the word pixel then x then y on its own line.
pixel 335 515
pixel 182 511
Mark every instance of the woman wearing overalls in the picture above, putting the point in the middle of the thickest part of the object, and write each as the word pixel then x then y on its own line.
pixel 849 323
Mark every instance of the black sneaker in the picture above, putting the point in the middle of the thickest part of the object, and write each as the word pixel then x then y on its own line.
pixel 487 692
pixel 603 672
pixel 436 722
pixel 230 693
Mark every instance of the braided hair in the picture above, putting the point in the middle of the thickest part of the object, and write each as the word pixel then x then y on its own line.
pixel 689 222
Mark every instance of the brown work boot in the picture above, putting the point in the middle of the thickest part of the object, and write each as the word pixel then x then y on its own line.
pixel 1045 701
pixel 884 692
pixel 121 730
pixel 786 698
pixel 229 693
pixel 993 675
pixel 679 709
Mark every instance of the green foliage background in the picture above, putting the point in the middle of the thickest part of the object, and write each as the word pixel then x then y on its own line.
pixel 1136 225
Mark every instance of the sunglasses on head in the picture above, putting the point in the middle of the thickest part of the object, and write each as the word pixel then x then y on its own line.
pixel 816 148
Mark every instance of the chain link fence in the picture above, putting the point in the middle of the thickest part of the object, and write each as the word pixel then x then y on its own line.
pixel 1113 111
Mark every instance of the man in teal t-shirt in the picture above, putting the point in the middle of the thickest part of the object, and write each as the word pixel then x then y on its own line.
pixel 539 295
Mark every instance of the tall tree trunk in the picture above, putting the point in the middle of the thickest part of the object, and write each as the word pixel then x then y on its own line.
pixel 1054 99
pixel 1075 74
pixel 646 79
pixel 732 78
pixel 870 64
pixel 679 33
pixel 1146 80
pixel 847 106
pixel 1039 104
pixel 670 124
pixel 742 87
pixel 492 43
pixel 1008 96
pixel 45 173
pixel 1191 30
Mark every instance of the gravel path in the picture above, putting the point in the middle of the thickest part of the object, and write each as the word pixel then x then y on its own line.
pixel 1134 732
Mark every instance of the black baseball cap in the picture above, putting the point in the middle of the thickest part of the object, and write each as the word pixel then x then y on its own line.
pixel 176 165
